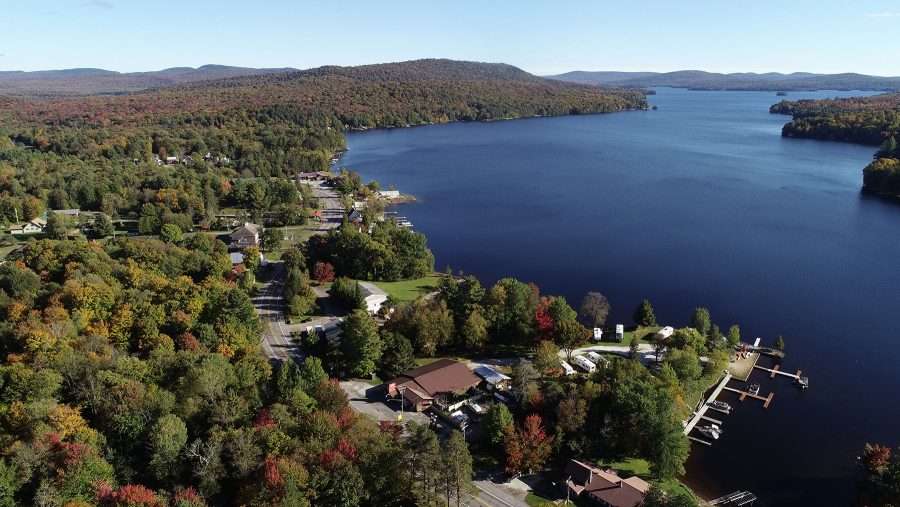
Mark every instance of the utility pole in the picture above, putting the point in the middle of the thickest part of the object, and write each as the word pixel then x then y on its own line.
pixel 401 389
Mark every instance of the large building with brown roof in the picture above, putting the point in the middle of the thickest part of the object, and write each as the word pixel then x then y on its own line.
pixel 424 385
pixel 604 487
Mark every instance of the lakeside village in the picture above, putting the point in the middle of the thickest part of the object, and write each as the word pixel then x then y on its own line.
pixel 532 385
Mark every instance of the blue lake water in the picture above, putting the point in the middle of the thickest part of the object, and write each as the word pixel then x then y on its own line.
pixel 699 203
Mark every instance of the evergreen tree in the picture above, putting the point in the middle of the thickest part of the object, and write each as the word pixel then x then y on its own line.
pixel 643 315
pixel 360 344
pixel 701 321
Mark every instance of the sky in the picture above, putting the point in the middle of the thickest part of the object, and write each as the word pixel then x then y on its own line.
pixel 542 37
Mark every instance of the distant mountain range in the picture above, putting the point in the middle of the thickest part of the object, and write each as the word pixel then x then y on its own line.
pixel 700 80
pixel 99 81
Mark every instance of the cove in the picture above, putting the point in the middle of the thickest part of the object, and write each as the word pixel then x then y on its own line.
pixel 700 203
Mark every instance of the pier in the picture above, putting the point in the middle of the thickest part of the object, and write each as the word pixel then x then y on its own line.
pixel 699 440
pixel 701 412
pixel 777 371
pixel 767 400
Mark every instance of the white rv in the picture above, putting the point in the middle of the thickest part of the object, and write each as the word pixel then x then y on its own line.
pixel 585 364
pixel 567 368
pixel 596 358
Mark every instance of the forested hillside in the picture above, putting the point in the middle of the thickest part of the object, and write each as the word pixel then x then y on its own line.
pixel 99 152
pixel 95 81
pixel 769 81
pixel 866 120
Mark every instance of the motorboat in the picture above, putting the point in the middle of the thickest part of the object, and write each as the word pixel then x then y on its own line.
pixel 721 405
pixel 754 389
pixel 709 431
pixel 803 382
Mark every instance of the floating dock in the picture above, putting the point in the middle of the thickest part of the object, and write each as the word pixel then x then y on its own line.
pixel 767 400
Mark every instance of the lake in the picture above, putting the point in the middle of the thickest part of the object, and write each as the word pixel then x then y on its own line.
pixel 700 203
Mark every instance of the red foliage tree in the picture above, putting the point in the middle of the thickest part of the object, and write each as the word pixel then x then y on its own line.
pixel 188 498
pixel 876 458
pixel 536 444
pixel 272 474
pixel 264 419
pixel 515 456
pixel 129 495
pixel 543 322
pixel 187 341
pixel 323 272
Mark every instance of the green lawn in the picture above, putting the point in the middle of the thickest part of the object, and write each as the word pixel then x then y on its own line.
pixel 534 500
pixel 410 290
pixel 643 335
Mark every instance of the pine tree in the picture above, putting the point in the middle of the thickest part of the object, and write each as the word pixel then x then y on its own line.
pixel 643 315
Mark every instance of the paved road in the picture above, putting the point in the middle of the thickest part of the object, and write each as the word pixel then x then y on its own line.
pixel 489 494
pixel 276 341
pixel 329 204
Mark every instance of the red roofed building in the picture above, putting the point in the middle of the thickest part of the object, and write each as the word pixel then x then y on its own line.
pixel 604 487
pixel 422 386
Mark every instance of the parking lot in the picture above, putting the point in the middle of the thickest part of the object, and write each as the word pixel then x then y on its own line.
pixel 373 405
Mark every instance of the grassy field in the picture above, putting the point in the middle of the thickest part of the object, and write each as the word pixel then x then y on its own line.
pixel 410 290
pixel 643 335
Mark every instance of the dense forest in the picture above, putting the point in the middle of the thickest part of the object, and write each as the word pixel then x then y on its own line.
pixel 97 81
pixel 871 120
pixel 103 153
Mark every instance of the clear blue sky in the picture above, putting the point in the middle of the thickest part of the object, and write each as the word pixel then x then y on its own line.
pixel 539 36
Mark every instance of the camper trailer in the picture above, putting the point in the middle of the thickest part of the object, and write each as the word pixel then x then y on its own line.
pixel 567 368
pixel 585 364
pixel 596 358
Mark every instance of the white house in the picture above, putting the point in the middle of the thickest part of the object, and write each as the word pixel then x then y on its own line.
pixel 35 226
pixel 245 235
pixel 585 364
pixel 373 296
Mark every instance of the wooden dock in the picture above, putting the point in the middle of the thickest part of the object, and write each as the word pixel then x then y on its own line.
pixel 777 371
pixel 699 440
pixel 710 419
pixel 744 394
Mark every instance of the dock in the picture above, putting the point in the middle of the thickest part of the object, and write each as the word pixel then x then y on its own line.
pixel 701 412
pixel 710 419
pixel 767 400
pixel 777 371
pixel 699 440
